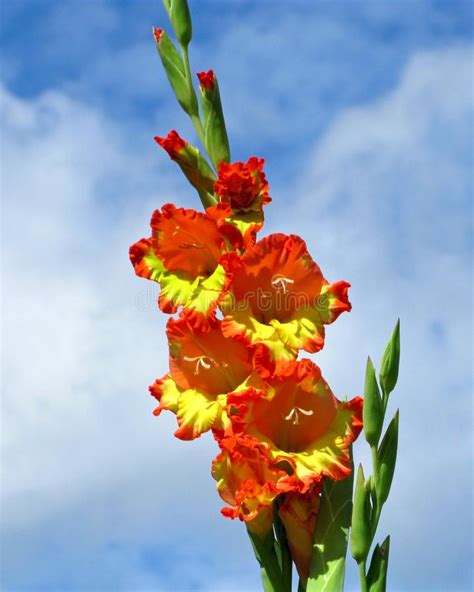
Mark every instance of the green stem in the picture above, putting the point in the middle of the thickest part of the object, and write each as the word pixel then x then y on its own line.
pixel 362 577
pixel 285 559
pixel 200 131
pixel 196 121
pixel 384 401
pixel 265 554
pixel 374 461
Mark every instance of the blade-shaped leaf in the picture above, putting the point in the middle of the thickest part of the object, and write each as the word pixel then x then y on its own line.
pixel 377 576
pixel 328 564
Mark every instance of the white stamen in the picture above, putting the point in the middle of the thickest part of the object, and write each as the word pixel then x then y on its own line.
pixel 191 246
pixel 294 417
pixel 201 362
pixel 280 282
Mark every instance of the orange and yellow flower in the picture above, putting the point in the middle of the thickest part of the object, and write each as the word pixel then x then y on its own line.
pixel 248 481
pixel 279 300
pixel 205 366
pixel 305 428
pixel 184 256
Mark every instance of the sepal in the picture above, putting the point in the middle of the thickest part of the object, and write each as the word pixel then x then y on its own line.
pixel 387 457
pixel 377 575
pixel 373 413
pixel 361 536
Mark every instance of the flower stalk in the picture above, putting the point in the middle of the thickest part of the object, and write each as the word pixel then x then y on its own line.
pixel 242 310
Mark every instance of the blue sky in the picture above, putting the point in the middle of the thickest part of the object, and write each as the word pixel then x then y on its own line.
pixel 363 112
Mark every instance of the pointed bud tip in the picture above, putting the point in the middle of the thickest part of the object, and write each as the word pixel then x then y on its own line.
pixel 157 33
pixel 385 548
pixel 207 80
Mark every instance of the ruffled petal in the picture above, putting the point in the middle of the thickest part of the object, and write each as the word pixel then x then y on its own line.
pixel 330 452
pixel 307 430
pixel 206 296
pixel 243 185
pixel 184 256
pixel 177 290
pixel 145 261
pixel 279 299
pixel 186 240
pixel 247 481
pixel 166 393
pixel 206 360
pixel 334 300
pixel 205 366
pixel 197 412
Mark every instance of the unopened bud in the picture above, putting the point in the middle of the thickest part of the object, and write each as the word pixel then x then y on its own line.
pixel 175 71
pixel 191 162
pixel 180 18
pixel 215 134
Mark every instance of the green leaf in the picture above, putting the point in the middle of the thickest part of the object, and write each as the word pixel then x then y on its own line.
pixel 374 568
pixel 373 412
pixel 387 457
pixel 377 576
pixel 390 362
pixel 328 564
pixel 361 530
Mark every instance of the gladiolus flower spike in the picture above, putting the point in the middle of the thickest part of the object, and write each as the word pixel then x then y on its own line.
pixel 242 311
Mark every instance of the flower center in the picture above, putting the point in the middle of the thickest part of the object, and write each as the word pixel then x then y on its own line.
pixel 280 282
pixel 294 415
pixel 202 362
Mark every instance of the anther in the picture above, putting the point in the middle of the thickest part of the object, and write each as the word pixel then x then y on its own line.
pixel 281 282
pixel 294 417
pixel 191 246
pixel 201 362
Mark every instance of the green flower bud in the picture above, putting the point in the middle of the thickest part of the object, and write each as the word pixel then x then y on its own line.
pixel 373 413
pixel 361 528
pixel 215 134
pixel 174 68
pixel 387 457
pixel 377 575
pixel 180 18
pixel 390 362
